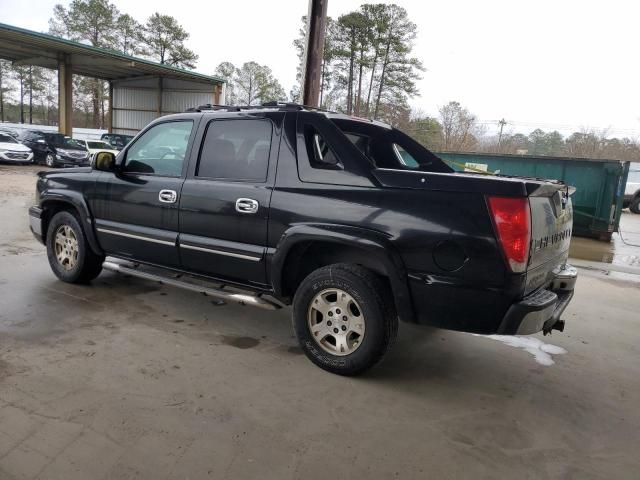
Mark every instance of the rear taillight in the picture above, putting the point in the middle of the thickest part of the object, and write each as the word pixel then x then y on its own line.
pixel 512 222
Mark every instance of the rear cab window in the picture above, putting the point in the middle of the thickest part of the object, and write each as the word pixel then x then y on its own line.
pixel 387 147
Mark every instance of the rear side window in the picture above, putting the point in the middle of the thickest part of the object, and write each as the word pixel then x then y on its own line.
pixel 236 150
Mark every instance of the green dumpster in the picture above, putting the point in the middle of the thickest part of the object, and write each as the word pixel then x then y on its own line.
pixel 597 202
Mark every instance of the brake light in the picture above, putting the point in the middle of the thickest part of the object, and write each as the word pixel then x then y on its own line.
pixel 512 222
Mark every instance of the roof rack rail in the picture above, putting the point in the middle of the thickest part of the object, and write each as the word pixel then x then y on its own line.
pixel 237 108
pixel 296 106
pixel 213 106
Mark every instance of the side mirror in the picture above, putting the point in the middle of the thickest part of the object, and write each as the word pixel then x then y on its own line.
pixel 105 161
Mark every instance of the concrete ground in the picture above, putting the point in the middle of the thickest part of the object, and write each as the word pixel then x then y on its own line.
pixel 128 379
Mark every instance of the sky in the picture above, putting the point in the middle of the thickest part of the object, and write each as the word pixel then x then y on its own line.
pixel 553 64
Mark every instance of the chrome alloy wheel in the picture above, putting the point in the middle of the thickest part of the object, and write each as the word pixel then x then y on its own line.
pixel 50 160
pixel 336 322
pixel 66 247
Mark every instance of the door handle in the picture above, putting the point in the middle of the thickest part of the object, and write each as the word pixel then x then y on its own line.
pixel 167 196
pixel 246 205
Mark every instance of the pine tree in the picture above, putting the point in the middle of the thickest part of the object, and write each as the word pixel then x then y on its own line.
pixel 90 21
pixel 129 35
pixel 368 69
pixel 5 85
pixel 164 38
pixel 250 84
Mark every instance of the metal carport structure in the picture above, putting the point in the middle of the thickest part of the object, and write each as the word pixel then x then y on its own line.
pixel 139 89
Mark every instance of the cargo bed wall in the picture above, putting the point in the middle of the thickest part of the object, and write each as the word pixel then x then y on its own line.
pixel 597 202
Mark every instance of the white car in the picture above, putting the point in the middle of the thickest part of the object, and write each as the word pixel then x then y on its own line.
pixel 13 151
pixel 96 146
pixel 632 190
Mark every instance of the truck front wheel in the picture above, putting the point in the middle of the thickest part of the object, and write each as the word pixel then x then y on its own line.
pixel 344 318
pixel 68 250
pixel 635 205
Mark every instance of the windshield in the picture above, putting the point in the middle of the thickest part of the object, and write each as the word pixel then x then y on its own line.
pixel 389 148
pixel 62 141
pixel 99 145
pixel 4 138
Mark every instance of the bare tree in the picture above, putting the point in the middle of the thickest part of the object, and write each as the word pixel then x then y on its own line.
pixel 459 127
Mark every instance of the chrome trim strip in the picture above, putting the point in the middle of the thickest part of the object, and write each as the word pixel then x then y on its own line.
pixel 220 252
pixel 137 237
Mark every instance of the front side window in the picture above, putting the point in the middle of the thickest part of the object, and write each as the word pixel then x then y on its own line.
pixel 236 150
pixel 161 150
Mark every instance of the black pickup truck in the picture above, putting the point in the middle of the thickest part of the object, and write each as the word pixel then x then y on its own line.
pixel 351 221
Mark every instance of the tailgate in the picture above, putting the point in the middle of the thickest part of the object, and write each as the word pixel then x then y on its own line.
pixel 551 224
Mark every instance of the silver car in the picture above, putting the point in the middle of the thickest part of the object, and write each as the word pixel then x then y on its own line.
pixel 13 151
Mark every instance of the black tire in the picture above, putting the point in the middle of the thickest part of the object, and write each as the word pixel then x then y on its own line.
pixel 635 205
pixel 87 265
pixel 373 299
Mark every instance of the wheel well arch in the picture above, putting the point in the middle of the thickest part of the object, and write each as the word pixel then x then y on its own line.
pixel 51 206
pixel 308 255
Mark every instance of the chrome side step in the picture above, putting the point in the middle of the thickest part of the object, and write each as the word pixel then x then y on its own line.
pixel 217 292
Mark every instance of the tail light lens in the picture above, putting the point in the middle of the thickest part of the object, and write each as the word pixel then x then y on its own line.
pixel 512 222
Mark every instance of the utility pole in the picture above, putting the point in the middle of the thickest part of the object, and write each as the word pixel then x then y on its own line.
pixel 502 123
pixel 314 50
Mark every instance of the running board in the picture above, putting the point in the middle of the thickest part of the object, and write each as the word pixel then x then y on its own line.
pixel 135 270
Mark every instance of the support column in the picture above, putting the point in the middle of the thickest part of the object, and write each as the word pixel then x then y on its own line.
pixel 110 117
pixel 65 96
pixel 217 90
pixel 160 89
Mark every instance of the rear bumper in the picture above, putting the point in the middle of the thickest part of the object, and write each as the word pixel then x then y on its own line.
pixel 541 310
pixel 35 222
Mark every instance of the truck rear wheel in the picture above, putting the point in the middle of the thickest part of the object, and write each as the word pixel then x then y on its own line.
pixel 68 250
pixel 635 205
pixel 344 318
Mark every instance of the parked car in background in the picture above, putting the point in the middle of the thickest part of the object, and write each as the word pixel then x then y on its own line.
pixel 96 146
pixel 116 140
pixel 13 151
pixel 55 149
pixel 632 190
pixel 9 131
